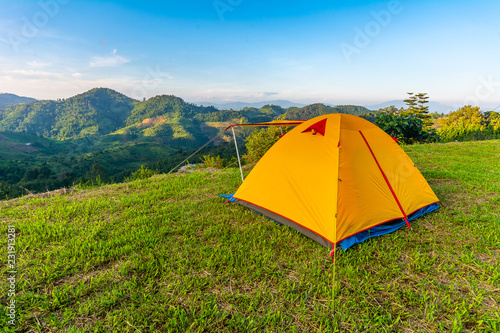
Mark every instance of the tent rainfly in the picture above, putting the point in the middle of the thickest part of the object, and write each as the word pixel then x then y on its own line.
pixel 339 180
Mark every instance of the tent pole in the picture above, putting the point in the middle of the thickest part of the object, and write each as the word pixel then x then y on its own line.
pixel 238 154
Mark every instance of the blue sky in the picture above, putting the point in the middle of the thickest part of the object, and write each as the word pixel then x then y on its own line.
pixel 338 52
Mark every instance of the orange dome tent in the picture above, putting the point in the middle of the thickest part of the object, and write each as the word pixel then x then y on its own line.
pixel 338 179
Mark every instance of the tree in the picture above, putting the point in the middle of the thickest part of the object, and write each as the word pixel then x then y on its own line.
pixel 469 123
pixel 31 174
pixel 97 174
pixel 422 110
pixel 436 115
pixel 7 191
pixel 44 172
pixel 491 117
pixel 411 101
pixel 467 115
pixel 416 105
pixel 259 143
pixel 261 140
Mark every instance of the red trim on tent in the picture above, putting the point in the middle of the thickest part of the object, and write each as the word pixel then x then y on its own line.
pixel 286 218
pixel 318 127
pixel 394 139
pixel 387 181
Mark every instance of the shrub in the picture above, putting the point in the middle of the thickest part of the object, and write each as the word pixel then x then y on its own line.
pixel 469 123
pixel 212 161
pixel 142 173
pixel 260 141
pixel 406 128
pixel 97 175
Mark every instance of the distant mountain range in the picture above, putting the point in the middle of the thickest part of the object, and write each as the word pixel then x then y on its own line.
pixel 240 105
pixel 103 112
pixel 433 106
pixel 8 99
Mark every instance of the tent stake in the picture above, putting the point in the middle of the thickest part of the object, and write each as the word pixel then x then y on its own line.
pixel 238 154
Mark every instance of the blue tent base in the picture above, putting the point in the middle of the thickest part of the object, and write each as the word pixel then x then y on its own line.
pixel 360 237
pixel 385 228
pixel 229 197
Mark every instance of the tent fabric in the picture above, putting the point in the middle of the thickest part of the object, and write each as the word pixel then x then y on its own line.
pixel 334 185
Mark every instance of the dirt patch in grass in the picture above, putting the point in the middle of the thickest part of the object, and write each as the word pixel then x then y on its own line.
pixel 150 122
pixel 61 191
pixel 3 137
pixel 22 148
pixel 208 170
pixel 83 277
pixel 492 259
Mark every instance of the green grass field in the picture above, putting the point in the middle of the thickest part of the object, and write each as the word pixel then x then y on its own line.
pixel 166 255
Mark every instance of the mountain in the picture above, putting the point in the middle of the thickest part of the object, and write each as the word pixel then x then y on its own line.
pixel 245 115
pixel 167 119
pixel 96 112
pixel 99 112
pixel 9 99
pixel 318 109
pixel 241 105
pixel 433 106
pixel 167 106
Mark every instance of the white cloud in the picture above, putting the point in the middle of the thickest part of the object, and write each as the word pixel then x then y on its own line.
pixel 76 75
pixel 108 61
pixel 33 74
pixel 36 64
pixel 265 94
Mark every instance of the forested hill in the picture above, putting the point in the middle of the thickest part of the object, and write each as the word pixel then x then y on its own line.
pixel 96 112
pixel 101 111
pixel 168 106
pixel 9 99
pixel 315 110
pixel 270 112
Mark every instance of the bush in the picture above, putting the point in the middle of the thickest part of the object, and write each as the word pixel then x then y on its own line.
pixel 7 191
pixel 97 175
pixel 406 128
pixel 260 141
pixel 469 123
pixel 142 173
pixel 212 161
